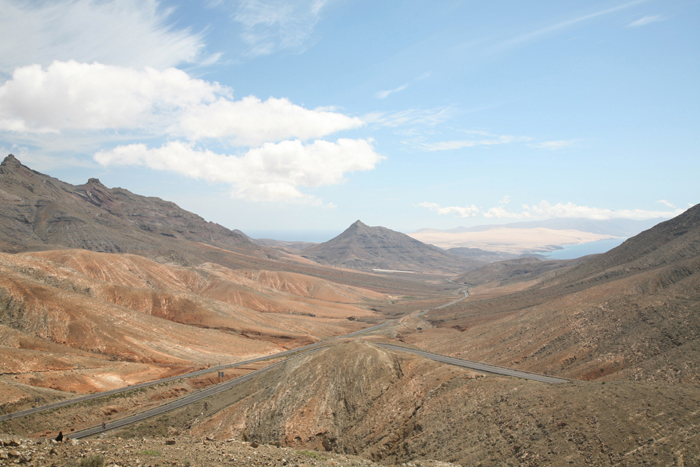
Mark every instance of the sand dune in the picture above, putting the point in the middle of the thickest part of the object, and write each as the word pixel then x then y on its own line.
pixel 516 241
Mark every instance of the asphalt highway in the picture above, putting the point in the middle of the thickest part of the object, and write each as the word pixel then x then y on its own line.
pixel 192 374
pixel 176 404
pixel 477 366
pixel 216 389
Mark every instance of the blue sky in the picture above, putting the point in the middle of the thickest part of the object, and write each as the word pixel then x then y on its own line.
pixel 309 115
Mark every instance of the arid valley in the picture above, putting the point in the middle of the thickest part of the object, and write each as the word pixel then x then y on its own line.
pixel 245 353
pixel 315 233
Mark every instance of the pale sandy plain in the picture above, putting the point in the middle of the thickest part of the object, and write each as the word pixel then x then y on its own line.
pixel 515 241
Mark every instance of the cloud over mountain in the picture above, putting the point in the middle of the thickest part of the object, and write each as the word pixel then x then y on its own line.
pixel 272 172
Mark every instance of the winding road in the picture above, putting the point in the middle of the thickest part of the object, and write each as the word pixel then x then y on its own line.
pixel 216 389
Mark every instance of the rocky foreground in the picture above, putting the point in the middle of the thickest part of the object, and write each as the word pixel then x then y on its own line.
pixel 181 451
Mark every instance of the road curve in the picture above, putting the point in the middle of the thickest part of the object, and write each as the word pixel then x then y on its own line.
pixel 192 374
pixel 216 389
pixel 477 366
pixel 241 379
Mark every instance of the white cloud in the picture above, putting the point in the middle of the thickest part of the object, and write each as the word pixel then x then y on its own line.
pixel 666 203
pixel 502 212
pixel 72 95
pixel 643 21
pixel 384 94
pixel 459 211
pixel 272 172
pixel 545 210
pixel 470 143
pixel 272 25
pixel 505 200
pixel 85 31
pixel 250 121
pixel 554 145
pixel 413 116
pixel 79 96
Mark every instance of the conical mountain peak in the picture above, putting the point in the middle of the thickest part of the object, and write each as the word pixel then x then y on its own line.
pixel 358 224
pixel 363 247
pixel 11 161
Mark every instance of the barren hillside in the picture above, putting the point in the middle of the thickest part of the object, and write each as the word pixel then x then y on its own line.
pixel 84 321
pixel 632 313
pixel 394 408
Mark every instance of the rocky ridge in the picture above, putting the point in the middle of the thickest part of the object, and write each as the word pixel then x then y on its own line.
pixel 39 212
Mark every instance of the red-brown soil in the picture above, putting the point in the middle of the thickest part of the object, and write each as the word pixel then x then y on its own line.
pixel 81 321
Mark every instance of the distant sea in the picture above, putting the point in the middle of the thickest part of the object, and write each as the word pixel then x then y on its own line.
pixel 590 248
pixel 314 236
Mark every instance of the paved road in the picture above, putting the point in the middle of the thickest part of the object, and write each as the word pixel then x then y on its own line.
pixel 176 404
pixel 192 374
pixel 241 379
pixel 206 392
pixel 477 366
pixel 466 294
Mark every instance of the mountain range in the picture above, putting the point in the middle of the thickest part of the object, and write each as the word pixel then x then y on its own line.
pixel 41 213
pixel 101 288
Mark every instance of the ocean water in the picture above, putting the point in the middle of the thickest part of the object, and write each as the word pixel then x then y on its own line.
pixel 590 248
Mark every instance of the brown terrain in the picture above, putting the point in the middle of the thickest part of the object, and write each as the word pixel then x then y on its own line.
pixel 90 300
pixel 631 313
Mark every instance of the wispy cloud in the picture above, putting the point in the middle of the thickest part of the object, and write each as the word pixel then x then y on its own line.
pixel 273 25
pixel 491 140
pixel 546 210
pixel 644 20
pixel 384 94
pixel 666 203
pixel 85 31
pixel 555 145
pixel 459 211
pixel 412 116
pixel 524 38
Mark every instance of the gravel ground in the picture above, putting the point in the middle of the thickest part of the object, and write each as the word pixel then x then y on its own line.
pixel 175 451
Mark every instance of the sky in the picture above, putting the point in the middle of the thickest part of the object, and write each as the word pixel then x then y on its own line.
pixel 272 116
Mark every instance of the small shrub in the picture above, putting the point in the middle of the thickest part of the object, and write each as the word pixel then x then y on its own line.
pixel 150 452
pixel 312 454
